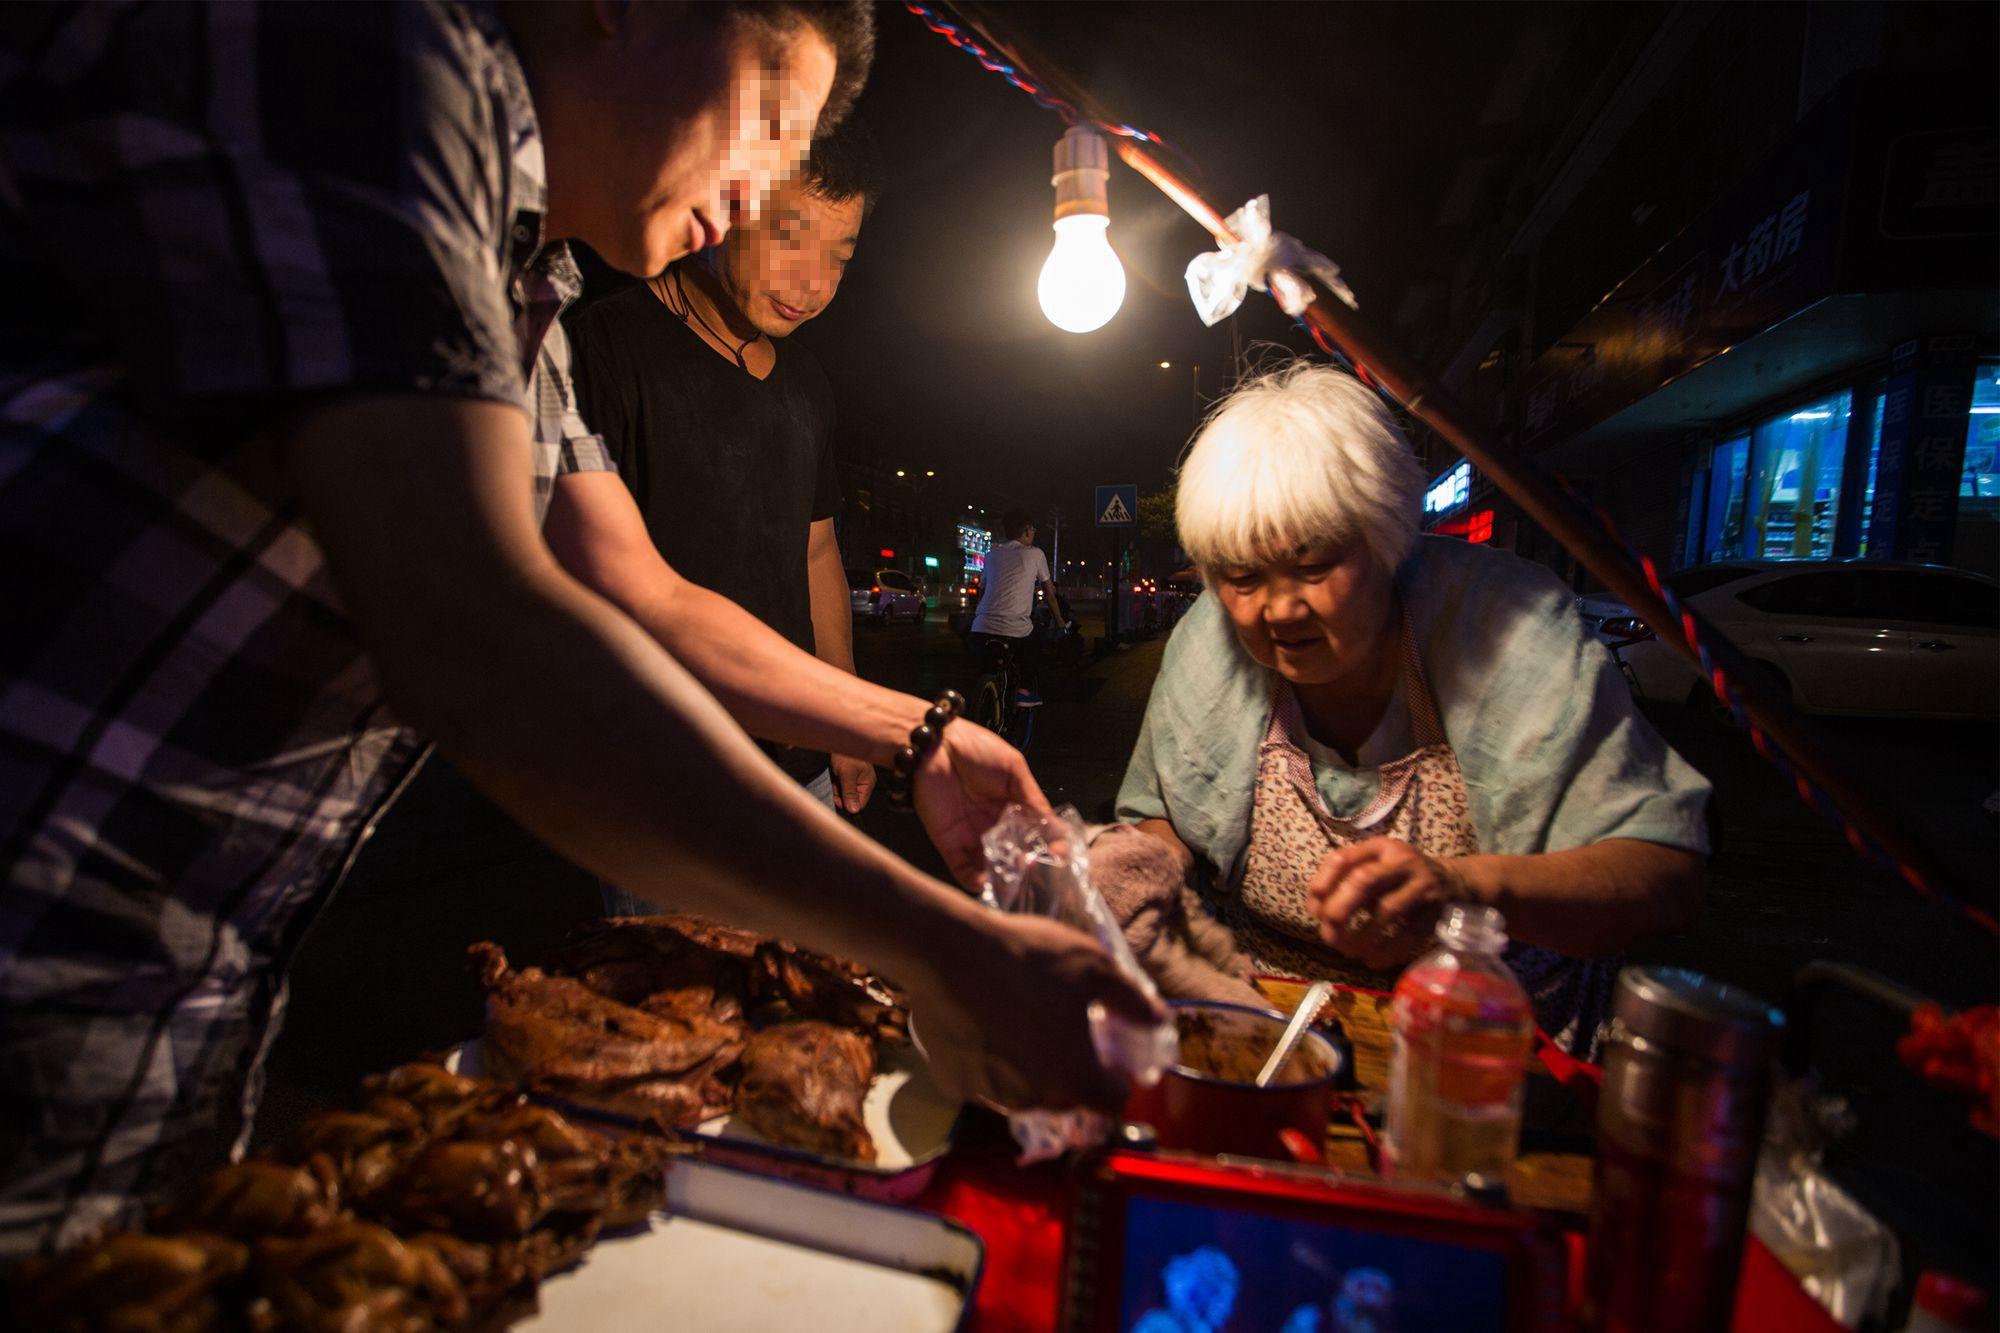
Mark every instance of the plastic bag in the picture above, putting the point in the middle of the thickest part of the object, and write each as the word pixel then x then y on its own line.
pixel 1039 864
pixel 1847 1260
pixel 1262 258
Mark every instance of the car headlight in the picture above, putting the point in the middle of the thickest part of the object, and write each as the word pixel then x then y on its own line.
pixel 1625 627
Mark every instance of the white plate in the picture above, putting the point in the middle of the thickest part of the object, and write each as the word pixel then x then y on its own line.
pixel 740 1252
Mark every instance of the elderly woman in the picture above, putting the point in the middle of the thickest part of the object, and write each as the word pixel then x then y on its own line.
pixel 1354 727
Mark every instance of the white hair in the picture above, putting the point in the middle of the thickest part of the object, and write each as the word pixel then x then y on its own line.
pixel 1299 455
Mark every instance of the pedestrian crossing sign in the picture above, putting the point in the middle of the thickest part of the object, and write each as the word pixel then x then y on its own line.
pixel 1117 506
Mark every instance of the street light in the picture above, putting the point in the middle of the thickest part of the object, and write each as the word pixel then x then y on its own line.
pixel 1082 283
pixel 1166 365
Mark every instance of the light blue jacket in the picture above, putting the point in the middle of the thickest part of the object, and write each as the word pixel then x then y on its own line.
pixel 1554 752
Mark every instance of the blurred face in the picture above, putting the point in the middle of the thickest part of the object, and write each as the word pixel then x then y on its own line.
pixel 1312 616
pixel 784 268
pixel 664 127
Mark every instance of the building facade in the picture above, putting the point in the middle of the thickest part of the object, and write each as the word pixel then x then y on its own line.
pixel 1790 215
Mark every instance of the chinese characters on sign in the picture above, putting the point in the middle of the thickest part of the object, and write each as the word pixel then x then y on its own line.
pixel 1924 410
pixel 1772 241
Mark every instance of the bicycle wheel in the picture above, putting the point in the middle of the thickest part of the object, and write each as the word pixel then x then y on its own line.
pixel 989 708
pixel 1021 728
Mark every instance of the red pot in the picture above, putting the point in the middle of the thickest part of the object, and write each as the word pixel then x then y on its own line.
pixel 1195 1111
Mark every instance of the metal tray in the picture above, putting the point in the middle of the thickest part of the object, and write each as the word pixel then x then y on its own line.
pixel 733 1250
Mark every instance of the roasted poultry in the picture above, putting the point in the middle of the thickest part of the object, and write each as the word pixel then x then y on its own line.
pixel 797 984
pixel 670 966
pixel 367 1148
pixel 469 1187
pixel 133 1284
pixel 258 1198
pixel 804 1084
pixel 353 1275
pixel 439 1097
pixel 675 965
pixel 630 1017
pixel 440 1206
pixel 557 1037
pixel 582 1172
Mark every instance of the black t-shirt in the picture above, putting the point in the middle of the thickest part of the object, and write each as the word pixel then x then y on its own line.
pixel 728 470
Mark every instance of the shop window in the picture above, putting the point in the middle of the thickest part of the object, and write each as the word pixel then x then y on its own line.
pixel 1874 466
pixel 1794 480
pixel 1981 478
pixel 1723 508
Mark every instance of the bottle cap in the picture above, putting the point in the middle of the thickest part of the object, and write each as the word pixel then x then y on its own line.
pixel 1695 1015
pixel 1465 926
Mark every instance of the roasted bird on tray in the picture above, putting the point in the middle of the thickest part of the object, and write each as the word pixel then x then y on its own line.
pixel 804 1084
pixel 648 1018
pixel 558 1038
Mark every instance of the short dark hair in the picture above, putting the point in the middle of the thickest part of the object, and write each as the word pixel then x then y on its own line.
pixel 848 27
pixel 1014 522
pixel 844 165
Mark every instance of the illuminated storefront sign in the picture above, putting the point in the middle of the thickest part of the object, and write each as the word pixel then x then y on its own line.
pixel 1450 491
pixel 975 542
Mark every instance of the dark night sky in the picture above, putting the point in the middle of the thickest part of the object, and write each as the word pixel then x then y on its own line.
pixel 1350 116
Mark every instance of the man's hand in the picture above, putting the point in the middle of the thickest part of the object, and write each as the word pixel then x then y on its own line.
pixel 1008 1023
pixel 1379 900
pixel 969 778
pixel 853 783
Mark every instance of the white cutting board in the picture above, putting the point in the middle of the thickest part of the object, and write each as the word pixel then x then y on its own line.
pixel 736 1251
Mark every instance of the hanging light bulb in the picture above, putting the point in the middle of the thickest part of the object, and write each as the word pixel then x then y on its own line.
pixel 1082 284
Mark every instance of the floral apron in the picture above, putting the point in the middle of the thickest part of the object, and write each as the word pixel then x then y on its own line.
pixel 1422 802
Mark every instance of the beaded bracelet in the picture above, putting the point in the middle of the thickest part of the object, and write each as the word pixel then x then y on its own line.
pixel 924 738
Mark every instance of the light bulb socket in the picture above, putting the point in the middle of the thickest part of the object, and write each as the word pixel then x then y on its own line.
pixel 1083 174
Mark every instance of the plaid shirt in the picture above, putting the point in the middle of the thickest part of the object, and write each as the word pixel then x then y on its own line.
pixel 206 213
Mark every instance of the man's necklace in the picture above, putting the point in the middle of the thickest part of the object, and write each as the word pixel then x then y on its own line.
pixel 684 310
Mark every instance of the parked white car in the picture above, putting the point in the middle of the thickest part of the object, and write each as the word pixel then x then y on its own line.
pixel 1856 637
pixel 882 595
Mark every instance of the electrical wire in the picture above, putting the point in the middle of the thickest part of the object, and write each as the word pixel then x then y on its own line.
pixel 1048 101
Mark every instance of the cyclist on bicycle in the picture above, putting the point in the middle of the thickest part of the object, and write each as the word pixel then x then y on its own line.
pixel 1015 570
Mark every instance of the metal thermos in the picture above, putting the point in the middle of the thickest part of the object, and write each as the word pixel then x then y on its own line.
pixel 1687 1076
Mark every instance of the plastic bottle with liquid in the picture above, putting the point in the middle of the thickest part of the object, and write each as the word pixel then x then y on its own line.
pixel 1463 1027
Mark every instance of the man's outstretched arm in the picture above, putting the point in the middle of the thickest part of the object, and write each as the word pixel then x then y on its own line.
pixel 582 727
pixel 772 688
pixel 767 684
pixel 833 643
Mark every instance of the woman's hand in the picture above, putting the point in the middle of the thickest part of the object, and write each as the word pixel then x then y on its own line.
pixel 1379 900
pixel 1004 1017
pixel 969 777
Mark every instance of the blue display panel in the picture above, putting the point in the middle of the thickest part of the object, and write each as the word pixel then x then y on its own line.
pixel 1193 1268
